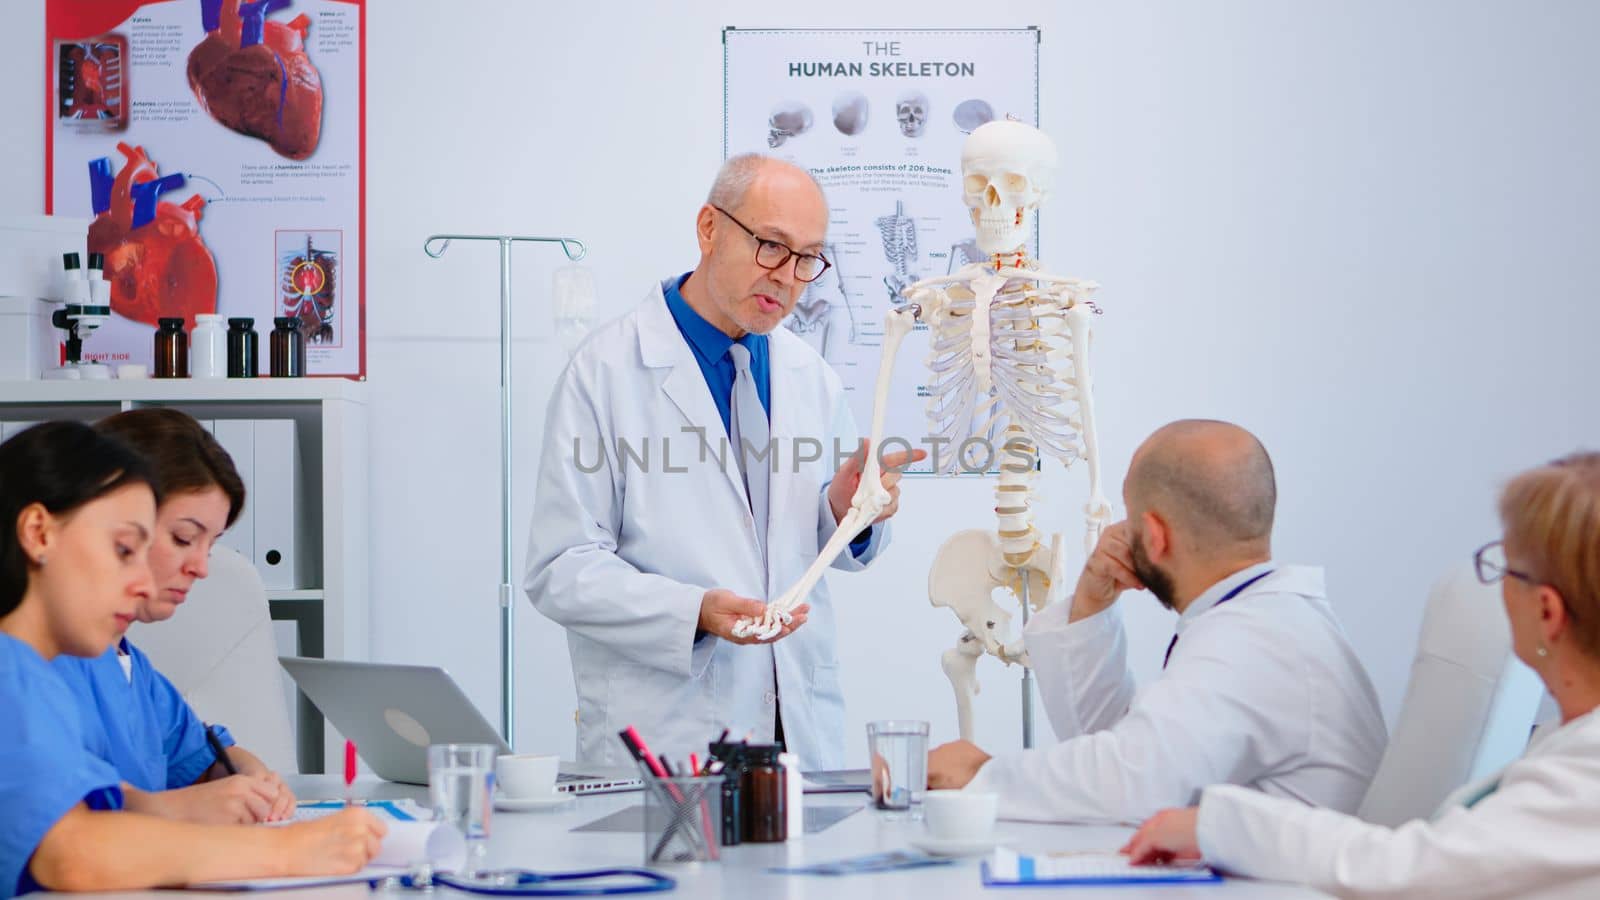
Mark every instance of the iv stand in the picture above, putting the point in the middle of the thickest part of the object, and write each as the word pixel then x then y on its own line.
pixel 575 251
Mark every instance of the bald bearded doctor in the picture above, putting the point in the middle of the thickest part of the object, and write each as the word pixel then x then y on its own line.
pixel 1259 686
pixel 651 539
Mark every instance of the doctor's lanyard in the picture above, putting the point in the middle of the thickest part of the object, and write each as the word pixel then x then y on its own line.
pixel 1225 598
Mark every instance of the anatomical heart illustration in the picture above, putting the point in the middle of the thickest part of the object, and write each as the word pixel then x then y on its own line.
pixel 253 75
pixel 156 260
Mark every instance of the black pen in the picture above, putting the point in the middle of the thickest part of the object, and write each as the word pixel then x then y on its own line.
pixel 220 751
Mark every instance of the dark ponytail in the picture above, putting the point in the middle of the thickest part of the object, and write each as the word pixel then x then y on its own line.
pixel 62 466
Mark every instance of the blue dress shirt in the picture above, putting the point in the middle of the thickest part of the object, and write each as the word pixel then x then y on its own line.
pixel 710 346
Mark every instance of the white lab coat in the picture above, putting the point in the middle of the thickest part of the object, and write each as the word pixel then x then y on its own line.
pixel 1263 690
pixel 1536 835
pixel 622 555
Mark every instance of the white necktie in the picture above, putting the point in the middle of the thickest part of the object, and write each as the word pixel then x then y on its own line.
pixel 747 427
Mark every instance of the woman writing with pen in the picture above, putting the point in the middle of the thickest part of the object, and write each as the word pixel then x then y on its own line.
pixel 77 513
pixel 171 764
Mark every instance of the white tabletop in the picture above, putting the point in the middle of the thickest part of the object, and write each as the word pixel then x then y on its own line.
pixel 544 841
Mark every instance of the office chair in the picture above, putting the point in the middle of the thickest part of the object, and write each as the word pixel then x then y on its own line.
pixel 1468 709
pixel 220 652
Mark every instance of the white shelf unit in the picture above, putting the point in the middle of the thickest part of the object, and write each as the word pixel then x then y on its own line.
pixel 331 611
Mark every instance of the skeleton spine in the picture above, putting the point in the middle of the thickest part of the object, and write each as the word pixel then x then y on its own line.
pixel 1013 498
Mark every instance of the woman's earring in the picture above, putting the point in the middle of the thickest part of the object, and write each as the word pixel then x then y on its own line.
pixel 1542 652
pixel 40 561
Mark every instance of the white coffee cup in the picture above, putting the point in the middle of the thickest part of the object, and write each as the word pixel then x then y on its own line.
pixel 525 776
pixel 960 815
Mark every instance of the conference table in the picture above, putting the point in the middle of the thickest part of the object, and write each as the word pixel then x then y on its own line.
pixel 545 841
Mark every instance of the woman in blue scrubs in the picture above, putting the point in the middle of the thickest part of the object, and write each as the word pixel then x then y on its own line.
pixel 148 732
pixel 77 510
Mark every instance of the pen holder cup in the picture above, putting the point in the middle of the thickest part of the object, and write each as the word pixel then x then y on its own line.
pixel 682 818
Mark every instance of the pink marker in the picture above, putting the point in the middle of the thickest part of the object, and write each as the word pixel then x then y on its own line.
pixel 349 773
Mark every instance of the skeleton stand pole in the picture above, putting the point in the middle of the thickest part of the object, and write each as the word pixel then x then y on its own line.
pixel 508 659
pixel 1027 675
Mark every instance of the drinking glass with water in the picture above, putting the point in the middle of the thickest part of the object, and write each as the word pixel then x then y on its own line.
pixel 461 788
pixel 898 751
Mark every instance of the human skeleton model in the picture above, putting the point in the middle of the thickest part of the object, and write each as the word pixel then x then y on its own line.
pixel 899 232
pixel 1008 343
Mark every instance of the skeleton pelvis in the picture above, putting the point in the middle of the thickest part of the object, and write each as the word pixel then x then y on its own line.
pixel 966 571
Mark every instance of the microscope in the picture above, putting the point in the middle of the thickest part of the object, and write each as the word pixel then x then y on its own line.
pixel 87 305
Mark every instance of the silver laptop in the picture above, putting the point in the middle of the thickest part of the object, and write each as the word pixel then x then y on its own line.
pixel 394 712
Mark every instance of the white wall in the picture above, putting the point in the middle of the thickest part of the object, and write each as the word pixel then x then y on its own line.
pixel 1364 230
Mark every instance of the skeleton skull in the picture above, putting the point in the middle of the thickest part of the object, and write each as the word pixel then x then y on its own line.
pixel 1007 169
pixel 912 111
pixel 788 119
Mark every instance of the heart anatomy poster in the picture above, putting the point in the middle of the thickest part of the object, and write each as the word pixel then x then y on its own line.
pixel 217 148
pixel 878 117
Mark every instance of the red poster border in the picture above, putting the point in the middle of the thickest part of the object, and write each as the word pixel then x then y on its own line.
pixel 62 14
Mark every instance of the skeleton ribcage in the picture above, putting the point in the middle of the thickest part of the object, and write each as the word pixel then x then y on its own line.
pixel 1030 368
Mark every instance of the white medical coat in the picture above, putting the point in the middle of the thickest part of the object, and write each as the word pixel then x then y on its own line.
pixel 621 555
pixel 1262 691
pixel 1536 835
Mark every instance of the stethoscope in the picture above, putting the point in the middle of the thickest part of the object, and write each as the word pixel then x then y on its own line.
pixel 522 883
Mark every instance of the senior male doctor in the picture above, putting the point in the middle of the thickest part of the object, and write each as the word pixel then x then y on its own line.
pixel 689 474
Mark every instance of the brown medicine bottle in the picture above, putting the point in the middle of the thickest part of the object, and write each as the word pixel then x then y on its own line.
pixel 172 349
pixel 766 818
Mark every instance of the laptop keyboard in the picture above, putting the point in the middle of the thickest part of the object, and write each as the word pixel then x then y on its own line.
pixel 578 782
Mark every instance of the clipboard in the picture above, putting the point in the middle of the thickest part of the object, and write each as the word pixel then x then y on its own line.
pixel 393 809
pixel 401 815
pixel 1007 868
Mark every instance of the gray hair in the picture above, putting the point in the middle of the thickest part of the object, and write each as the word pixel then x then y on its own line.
pixel 736 176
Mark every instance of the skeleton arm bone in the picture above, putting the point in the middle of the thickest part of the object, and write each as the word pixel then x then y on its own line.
pixel 870 498
pixel 1098 510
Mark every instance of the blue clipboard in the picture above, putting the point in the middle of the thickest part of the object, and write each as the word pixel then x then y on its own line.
pixel 386 806
pixel 1196 875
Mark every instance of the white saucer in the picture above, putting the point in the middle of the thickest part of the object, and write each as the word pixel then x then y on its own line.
pixel 955 847
pixel 526 804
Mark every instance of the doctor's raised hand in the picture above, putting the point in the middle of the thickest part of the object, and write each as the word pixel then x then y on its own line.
pixel 848 478
pixel 1108 572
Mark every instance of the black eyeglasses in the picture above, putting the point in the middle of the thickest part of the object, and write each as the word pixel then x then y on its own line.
pixel 772 255
pixel 1490 561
